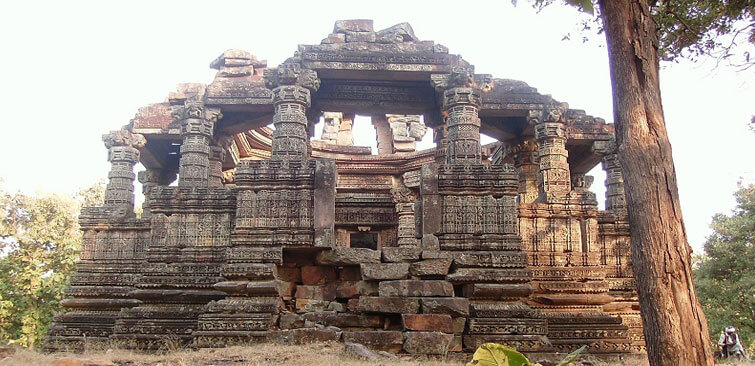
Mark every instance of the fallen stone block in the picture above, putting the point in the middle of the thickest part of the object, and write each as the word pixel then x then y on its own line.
pixel 390 341
pixel 291 321
pixel 360 351
pixel 427 343
pixel 416 288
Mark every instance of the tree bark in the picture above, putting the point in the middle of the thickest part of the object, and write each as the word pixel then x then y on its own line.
pixel 676 332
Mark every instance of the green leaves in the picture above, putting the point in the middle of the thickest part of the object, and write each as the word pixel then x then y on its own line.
pixel 39 245
pixel 572 356
pixel 494 354
pixel 584 6
pixel 725 276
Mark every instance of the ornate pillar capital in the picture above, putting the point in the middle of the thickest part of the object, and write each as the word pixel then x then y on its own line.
pixel 291 86
pixel 197 127
pixel 290 73
pixel 123 145
pixel 123 153
pixel 554 179
pixel 461 104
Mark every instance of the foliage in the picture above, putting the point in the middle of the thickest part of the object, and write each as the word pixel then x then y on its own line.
pixel 93 195
pixel 725 275
pixel 39 244
pixel 494 354
pixel 691 29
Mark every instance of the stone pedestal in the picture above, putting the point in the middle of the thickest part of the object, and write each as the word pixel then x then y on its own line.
pixel 191 230
pixel 276 209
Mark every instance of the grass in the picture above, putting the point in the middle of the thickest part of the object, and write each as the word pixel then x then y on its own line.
pixel 317 354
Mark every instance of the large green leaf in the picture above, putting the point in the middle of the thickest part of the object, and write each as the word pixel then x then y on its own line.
pixel 494 354
pixel 572 356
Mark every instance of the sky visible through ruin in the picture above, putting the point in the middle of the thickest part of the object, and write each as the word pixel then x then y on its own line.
pixel 71 71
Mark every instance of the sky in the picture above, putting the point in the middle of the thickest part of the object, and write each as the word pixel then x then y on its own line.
pixel 72 71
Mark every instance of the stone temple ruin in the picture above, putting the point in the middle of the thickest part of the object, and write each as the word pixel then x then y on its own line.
pixel 271 235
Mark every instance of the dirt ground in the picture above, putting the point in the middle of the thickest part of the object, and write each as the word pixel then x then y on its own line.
pixel 319 354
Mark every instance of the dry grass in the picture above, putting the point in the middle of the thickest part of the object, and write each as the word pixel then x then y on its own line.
pixel 319 354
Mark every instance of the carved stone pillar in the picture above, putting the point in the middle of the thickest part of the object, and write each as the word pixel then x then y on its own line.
pixel 462 105
pixel 615 197
pixel 217 155
pixel 554 177
pixel 526 164
pixel 345 134
pixel 383 134
pixel 291 98
pixel 149 179
pixel 440 137
pixel 197 125
pixel 123 154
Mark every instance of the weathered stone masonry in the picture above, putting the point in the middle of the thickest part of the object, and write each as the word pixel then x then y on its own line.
pixel 270 235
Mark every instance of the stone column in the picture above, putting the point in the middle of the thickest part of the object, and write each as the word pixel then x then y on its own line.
pixel 615 198
pixel 291 98
pixel 440 137
pixel 383 134
pixel 407 234
pixel 123 154
pixel 461 104
pixel 345 134
pixel 550 132
pixel 149 179
pixel 197 125
pixel 217 155
pixel 526 164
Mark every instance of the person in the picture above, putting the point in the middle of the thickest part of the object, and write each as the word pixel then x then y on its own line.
pixel 731 345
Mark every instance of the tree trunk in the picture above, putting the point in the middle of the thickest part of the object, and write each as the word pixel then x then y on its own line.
pixel 676 331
